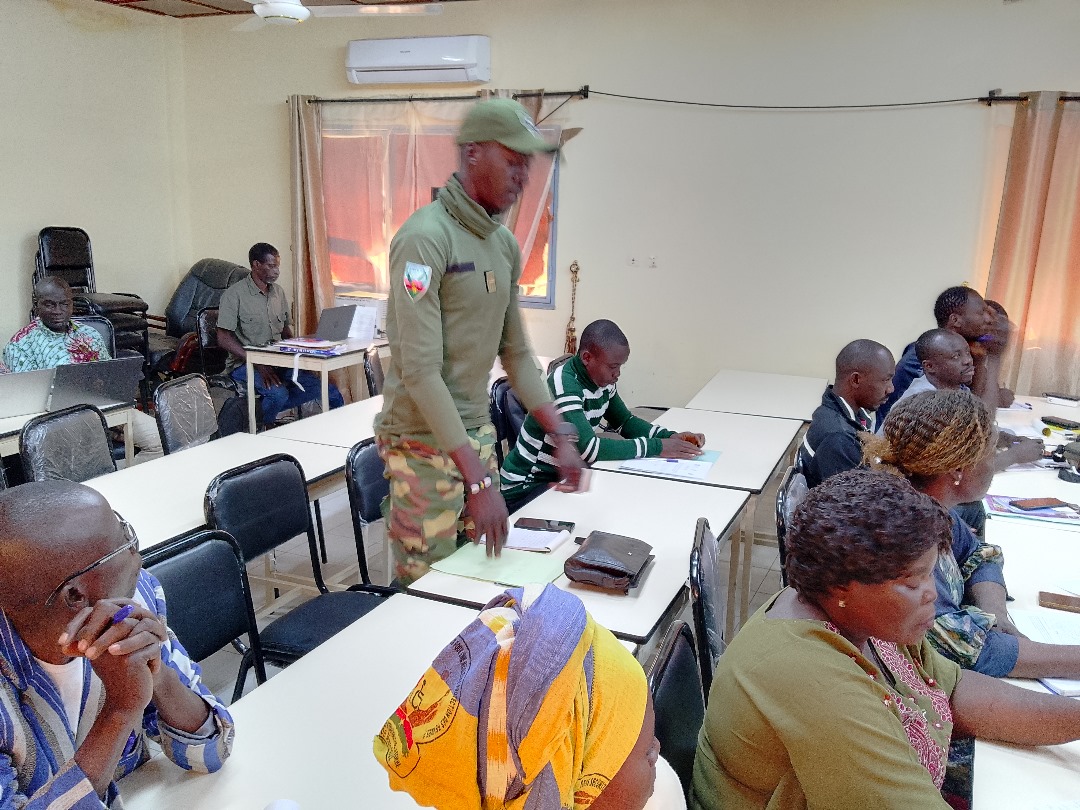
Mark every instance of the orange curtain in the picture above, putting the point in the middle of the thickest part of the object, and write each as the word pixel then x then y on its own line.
pixel 313 288
pixel 1037 248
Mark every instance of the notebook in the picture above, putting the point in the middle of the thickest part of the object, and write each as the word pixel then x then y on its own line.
pixel 103 384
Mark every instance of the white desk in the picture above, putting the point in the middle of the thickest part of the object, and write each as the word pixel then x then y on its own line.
pixel 341 427
pixel 751 449
pixel 1010 777
pixel 306 734
pixel 351 356
pixel 163 498
pixel 118 416
pixel 761 394
pixel 661 513
pixel 1034 484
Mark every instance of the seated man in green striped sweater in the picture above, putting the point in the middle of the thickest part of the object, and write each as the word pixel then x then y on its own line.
pixel 584 391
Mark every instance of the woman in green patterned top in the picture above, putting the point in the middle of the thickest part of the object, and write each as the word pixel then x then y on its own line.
pixel 830 696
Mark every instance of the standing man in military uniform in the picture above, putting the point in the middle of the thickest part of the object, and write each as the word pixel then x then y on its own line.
pixel 453 307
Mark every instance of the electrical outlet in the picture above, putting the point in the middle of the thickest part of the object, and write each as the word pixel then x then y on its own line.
pixel 633 261
pixel 652 263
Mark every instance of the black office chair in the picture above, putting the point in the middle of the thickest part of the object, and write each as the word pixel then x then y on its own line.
pixel 71 444
pixel 706 605
pixel 185 413
pixel 263 505
pixel 507 414
pixel 212 358
pixel 791 492
pixel 367 487
pixel 103 326
pixel 556 362
pixel 678 700
pixel 206 587
pixel 373 371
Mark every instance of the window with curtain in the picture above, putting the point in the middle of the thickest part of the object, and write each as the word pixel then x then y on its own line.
pixel 382 161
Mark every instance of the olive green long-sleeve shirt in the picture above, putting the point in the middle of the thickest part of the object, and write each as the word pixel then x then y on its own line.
pixel 453 307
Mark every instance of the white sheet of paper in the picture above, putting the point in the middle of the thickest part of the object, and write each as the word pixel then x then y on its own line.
pixel 670 467
pixel 363 322
pixel 1051 627
pixel 535 539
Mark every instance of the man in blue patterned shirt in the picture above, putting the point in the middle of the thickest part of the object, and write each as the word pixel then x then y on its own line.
pixel 89 671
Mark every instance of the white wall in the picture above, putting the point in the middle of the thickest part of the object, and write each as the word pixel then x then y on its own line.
pixel 93 110
pixel 780 235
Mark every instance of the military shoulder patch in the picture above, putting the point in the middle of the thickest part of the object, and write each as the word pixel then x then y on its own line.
pixel 417 280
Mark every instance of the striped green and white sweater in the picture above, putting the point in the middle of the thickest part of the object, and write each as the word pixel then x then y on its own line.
pixel 583 404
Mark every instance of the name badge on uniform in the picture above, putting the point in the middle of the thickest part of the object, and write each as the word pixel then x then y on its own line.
pixel 489 279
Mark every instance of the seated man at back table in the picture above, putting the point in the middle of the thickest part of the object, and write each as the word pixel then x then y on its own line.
pixel 255 312
pixel 53 339
pixel 864 371
pixel 89 671
pixel 585 393
pixel 963 311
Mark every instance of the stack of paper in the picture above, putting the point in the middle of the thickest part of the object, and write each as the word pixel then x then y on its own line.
pixel 692 469
pixel 511 568
pixel 535 539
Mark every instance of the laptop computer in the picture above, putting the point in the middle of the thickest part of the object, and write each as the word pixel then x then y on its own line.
pixel 335 323
pixel 103 384
pixel 23 393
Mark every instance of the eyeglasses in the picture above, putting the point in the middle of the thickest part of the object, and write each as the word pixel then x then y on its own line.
pixel 132 544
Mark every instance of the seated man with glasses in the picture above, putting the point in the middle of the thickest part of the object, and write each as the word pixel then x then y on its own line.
pixel 88 668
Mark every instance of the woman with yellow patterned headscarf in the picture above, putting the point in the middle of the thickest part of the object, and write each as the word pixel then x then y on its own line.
pixel 532 706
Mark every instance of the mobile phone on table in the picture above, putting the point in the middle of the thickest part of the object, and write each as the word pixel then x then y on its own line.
pixel 544 525
pixel 1058 422
pixel 1028 504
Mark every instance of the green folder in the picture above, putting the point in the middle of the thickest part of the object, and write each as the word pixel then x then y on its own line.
pixel 511 568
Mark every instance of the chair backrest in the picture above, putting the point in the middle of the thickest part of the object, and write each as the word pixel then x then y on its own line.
pixel 206 586
pixel 556 362
pixel 791 492
pixel 707 606
pixel 185 413
pixel 678 700
pixel 104 328
pixel 211 356
pixel 65 253
pixel 200 288
pixel 263 504
pixel 70 444
pixel 507 414
pixel 367 487
pixel 373 371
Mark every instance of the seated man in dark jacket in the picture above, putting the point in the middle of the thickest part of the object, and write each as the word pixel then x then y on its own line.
pixel 864 370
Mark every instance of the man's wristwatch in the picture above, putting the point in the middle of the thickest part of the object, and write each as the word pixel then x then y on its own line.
pixel 478 487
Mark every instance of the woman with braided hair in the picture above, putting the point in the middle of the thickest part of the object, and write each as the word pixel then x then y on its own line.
pixel 944 442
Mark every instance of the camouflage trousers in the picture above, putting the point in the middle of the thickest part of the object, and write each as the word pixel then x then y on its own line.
pixel 424 511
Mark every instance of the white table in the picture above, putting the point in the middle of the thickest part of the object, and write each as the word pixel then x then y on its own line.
pixel 163 498
pixel 341 427
pixel 761 394
pixel 117 416
pixel 306 734
pixel 661 513
pixel 1011 777
pixel 353 354
pixel 751 449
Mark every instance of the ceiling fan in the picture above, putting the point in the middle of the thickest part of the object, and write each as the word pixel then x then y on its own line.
pixel 290 12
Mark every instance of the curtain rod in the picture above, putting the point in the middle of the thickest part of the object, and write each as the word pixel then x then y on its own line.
pixel 995 96
pixel 583 92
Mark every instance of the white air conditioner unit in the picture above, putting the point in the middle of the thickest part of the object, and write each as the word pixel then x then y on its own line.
pixel 419 60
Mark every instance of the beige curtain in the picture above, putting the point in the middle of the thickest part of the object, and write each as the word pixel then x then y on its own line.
pixel 1037 248
pixel 313 288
